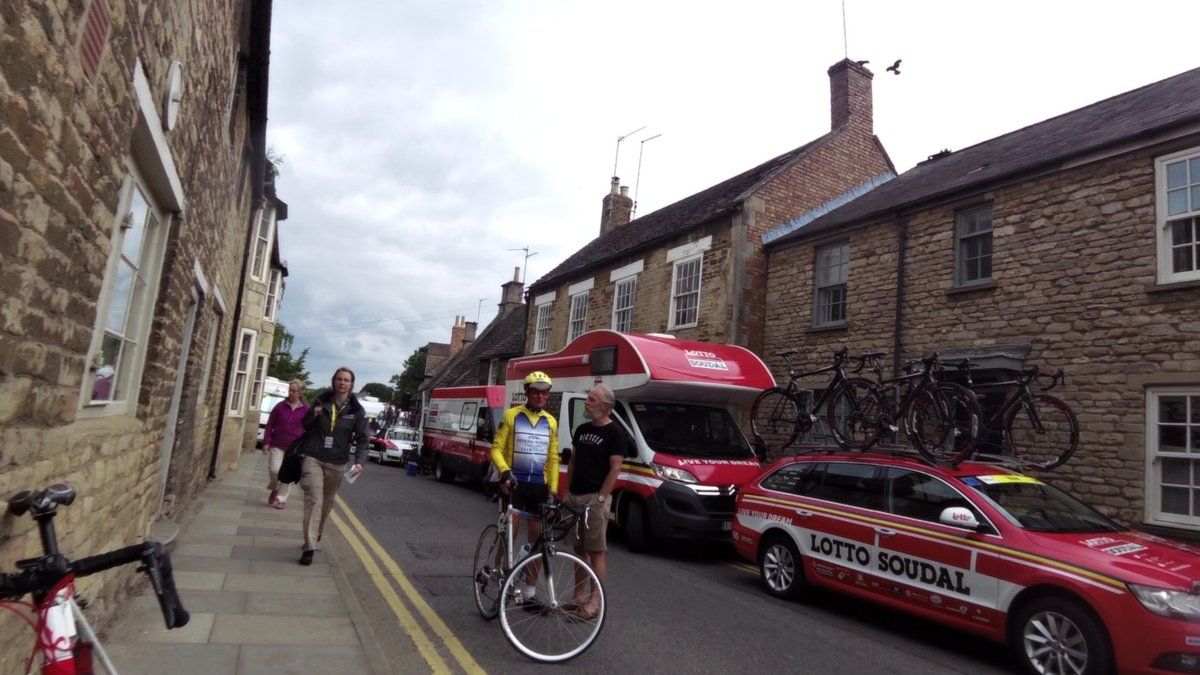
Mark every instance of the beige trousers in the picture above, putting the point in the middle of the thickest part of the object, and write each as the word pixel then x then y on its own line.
pixel 320 482
pixel 274 459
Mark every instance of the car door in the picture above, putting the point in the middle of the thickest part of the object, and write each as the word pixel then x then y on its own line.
pixel 835 515
pixel 927 564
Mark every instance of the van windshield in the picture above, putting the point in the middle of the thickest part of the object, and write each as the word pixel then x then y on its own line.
pixel 690 430
pixel 270 401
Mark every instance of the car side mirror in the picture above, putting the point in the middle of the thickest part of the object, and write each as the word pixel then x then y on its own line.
pixel 962 518
pixel 564 456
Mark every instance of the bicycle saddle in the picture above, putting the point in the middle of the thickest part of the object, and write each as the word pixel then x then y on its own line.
pixel 42 500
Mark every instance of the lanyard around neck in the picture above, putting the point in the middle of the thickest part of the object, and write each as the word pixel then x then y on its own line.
pixel 333 413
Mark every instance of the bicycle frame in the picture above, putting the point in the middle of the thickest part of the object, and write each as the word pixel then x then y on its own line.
pixel 839 376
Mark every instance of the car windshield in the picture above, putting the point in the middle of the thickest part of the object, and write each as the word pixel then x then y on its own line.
pixel 1033 505
pixel 270 401
pixel 690 430
pixel 409 435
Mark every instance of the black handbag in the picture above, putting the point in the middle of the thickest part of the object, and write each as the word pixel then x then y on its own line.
pixel 293 457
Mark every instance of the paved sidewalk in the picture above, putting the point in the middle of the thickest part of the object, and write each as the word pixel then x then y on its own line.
pixel 254 609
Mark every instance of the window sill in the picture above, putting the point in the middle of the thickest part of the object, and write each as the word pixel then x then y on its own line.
pixel 983 286
pixel 686 325
pixel 1163 287
pixel 828 328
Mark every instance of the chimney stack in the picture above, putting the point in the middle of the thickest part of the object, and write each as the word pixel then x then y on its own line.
pixel 618 206
pixel 850 95
pixel 457 333
pixel 511 293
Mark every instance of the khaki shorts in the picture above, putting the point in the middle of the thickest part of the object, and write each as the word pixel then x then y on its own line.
pixel 595 529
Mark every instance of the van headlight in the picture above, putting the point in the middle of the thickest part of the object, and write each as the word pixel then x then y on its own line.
pixel 1167 602
pixel 671 473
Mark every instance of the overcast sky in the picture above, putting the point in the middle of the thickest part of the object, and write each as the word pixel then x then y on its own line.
pixel 422 139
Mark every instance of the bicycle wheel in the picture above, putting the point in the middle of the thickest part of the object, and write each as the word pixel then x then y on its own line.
pixel 1042 431
pixel 545 629
pixel 491 555
pixel 774 419
pixel 943 423
pixel 855 414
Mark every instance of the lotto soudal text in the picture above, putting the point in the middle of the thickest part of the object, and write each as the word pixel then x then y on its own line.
pixel 893 564
pixel 702 359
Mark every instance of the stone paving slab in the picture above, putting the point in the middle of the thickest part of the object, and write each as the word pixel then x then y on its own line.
pixel 177 659
pixel 186 563
pixel 203 550
pixel 199 581
pixel 259 629
pixel 301 660
pixel 147 627
pixel 291 605
pixel 273 583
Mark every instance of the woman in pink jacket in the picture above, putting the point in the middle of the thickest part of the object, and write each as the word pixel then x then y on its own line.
pixel 283 427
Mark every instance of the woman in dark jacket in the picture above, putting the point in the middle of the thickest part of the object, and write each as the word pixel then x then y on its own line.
pixel 339 424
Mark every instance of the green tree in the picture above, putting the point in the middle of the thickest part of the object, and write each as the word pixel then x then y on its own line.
pixel 283 365
pixel 410 378
pixel 310 395
pixel 380 391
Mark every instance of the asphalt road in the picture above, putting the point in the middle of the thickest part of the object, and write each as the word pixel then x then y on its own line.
pixel 687 608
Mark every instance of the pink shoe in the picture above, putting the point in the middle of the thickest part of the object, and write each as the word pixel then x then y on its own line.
pixel 271 497
pixel 279 505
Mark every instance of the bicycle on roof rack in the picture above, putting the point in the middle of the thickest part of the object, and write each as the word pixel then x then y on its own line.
pixel 1037 429
pixel 55 613
pixel 780 415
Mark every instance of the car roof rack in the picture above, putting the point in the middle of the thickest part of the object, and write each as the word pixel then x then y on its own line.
pixel 1003 461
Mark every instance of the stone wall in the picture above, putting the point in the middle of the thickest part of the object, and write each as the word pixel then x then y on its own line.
pixel 1075 279
pixel 71 116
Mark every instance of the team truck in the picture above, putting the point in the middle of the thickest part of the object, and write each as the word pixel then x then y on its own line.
pixel 679 401
pixel 457 430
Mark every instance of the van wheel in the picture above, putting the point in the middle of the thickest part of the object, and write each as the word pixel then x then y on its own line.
pixel 637 528
pixel 440 472
pixel 781 568
pixel 1058 635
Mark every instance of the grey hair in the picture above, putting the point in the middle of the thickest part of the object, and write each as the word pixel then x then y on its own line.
pixel 606 395
pixel 298 383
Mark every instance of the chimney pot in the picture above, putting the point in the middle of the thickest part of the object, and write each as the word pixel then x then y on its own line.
pixel 617 207
pixel 516 274
pixel 624 190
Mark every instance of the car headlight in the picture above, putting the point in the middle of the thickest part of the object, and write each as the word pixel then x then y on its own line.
pixel 1167 602
pixel 671 473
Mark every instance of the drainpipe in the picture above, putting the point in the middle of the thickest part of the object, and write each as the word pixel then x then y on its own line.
pixel 898 316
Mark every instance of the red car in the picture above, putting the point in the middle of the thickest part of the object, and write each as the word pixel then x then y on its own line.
pixel 979 548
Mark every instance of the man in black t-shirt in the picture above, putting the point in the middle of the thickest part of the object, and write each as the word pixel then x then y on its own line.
pixel 595 462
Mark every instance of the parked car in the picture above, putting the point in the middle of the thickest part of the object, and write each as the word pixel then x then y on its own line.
pixel 396 444
pixel 979 548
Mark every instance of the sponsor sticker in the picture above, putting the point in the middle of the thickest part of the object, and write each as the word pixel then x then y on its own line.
pixel 1002 479
pixel 1193 641
pixel 1122 549
pixel 707 360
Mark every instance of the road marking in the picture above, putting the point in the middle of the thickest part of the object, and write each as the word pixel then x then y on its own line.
pixel 745 567
pixel 435 622
pixel 407 620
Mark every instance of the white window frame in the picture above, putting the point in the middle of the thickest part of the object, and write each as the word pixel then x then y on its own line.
pixel 135 333
pixel 274 286
pixel 1154 463
pixel 959 240
pixel 260 376
pixel 1190 158
pixel 676 296
pixel 577 319
pixel 819 306
pixel 238 396
pixel 264 234
pixel 210 347
pixel 541 330
pixel 622 315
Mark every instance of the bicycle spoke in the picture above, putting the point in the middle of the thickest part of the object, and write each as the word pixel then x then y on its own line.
pixel 545 630
pixel 1042 431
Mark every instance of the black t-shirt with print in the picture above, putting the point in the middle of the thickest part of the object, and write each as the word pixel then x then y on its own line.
pixel 593 446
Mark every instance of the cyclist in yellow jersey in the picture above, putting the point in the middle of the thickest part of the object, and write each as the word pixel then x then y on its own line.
pixel 525 452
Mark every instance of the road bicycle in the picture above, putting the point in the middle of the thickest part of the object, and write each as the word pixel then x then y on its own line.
pixel 780 415
pixel 1038 430
pixel 65 640
pixel 940 419
pixel 546 627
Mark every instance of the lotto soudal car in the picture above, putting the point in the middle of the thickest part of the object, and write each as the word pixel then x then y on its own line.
pixel 979 548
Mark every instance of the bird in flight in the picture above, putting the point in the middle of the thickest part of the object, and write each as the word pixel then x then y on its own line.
pixel 895 67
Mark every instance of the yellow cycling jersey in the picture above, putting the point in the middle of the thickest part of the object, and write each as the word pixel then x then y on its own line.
pixel 526 443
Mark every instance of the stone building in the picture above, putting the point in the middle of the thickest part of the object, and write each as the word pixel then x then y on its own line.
pixel 131 160
pixel 696 268
pixel 1073 243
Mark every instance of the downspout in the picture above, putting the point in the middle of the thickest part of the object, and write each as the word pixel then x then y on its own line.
pixel 898 316
pixel 256 109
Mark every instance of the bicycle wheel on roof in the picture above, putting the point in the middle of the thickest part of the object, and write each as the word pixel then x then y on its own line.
pixel 1042 431
pixel 855 414
pixel 775 419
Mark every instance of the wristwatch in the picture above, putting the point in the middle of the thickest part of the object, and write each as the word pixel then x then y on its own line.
pixel 601 498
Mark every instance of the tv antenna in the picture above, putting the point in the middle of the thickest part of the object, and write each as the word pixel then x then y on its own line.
pixel 619 139
pixel 845 41
pixel 637 184
pixel 525 267
pixel 479 310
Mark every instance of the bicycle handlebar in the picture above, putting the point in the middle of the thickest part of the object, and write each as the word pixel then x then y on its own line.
pixel 156 563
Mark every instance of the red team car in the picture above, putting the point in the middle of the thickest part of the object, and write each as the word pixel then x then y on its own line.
pixel 979 548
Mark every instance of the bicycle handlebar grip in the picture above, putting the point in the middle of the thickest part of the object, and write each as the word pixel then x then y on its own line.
pixel 157 566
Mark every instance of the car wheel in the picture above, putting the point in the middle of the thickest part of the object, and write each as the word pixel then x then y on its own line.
pixel 638 536
pixel 440 472
pixel 781 568
pixel 1059 635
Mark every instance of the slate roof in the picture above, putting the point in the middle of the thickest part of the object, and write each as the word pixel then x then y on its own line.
pixel 672 220
pixel 1046 145
pixel 504 337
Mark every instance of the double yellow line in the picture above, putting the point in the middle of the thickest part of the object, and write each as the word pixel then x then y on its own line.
pixel 361 540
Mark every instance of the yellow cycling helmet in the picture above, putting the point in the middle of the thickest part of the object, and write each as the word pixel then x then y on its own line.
pixel 538 380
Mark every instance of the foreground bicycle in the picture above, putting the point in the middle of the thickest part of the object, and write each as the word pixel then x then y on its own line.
pixel 547 627
pixel 1039 430
pixel 780 415
pixel 50 578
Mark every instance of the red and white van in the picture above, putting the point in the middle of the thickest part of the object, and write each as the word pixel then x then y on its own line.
pixel 457 430
pixel 681 402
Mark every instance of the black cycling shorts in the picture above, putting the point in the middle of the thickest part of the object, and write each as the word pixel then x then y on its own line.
pixel 529 497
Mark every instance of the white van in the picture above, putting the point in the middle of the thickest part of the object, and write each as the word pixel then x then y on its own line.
pixel 274 391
